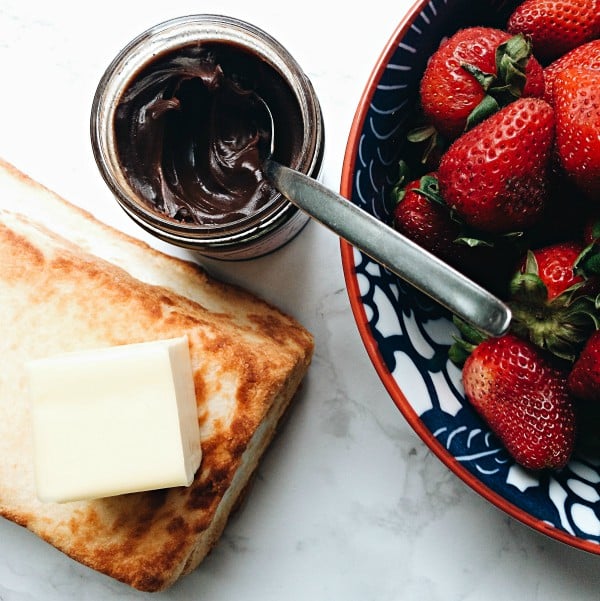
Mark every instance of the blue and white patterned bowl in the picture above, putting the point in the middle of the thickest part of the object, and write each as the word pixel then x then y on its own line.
pixel 407 335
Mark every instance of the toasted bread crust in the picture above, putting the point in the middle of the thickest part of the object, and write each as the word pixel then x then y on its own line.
pixel 60 294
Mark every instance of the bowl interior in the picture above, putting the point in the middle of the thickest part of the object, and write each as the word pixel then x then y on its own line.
pixel 406 334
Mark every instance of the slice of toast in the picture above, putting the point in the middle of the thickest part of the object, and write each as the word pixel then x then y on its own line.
pixel 69 282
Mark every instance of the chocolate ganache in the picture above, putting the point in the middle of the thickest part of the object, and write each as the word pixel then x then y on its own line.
pixel 190 133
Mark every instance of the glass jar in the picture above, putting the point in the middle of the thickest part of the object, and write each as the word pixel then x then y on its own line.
pixel 245 236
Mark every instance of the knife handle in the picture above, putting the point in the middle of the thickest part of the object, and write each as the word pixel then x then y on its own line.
pixel 394 251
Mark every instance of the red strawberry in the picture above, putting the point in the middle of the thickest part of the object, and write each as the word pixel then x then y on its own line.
pixel 421 215
pixel 584 377
pixel 524 399
pixel 586 56
pixel 576 95
pixel 472 74
pixel 496 175
pixel 556 26
pixel 555 266
pixel 552 297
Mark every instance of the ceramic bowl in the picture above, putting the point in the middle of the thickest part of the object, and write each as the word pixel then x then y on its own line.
pixel 407 335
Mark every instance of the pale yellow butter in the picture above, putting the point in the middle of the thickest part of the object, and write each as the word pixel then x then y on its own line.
pixel 114 420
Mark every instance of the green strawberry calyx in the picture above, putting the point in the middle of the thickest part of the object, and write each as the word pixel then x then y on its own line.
pixel 561 325
pixel 428 186
pixel 398 191
pixel 507 84
pixel 430 137
pixel 587 263
pixel 465 342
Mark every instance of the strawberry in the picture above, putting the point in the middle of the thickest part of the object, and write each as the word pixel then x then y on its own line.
pixel 556 26
pixel 584 377
pixel 524 399
pixel 586 56
pixel 576 98
pixel 554 265
pixel 495 176
pixel 421 215
pixel 472 74
pixel 552 298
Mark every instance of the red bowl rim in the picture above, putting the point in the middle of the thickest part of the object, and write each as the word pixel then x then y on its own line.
pixel 360 316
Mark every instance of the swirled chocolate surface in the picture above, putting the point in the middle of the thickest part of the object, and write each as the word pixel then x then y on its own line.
pixel 190 132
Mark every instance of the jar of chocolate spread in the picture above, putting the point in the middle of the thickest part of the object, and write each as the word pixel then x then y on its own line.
pixel 179 134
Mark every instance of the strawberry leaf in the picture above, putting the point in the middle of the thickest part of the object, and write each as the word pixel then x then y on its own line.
pixel 428 135
pixel 468 332
pixel 421 134
pixel 487 107
pixel 464 344
pixel 588 262
pixel 430 189
pixel 528 288
pixel 485 80
pixel 459 352
pixel 511 62
pixel 398 189
pixel 531 264
pixel 472 242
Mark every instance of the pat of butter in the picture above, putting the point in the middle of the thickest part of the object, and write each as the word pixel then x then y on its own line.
pixel 114 420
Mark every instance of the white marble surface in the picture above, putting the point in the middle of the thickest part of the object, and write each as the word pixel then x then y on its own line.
pixel 349 504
